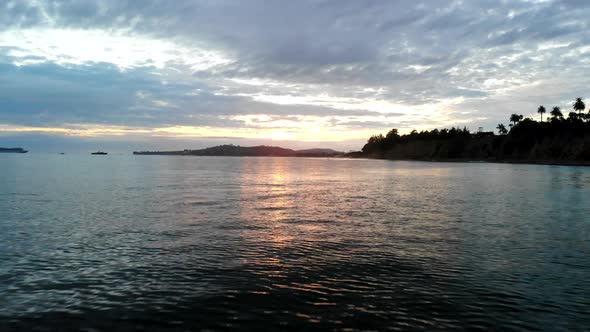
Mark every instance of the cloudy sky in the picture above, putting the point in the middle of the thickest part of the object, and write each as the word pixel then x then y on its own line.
pixel 180 74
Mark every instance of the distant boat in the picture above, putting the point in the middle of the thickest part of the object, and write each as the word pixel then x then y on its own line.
pixel 13 150
pixel 99 153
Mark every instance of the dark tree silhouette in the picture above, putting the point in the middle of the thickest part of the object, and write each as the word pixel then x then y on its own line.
pixel 392 135
pixel 579 105
pixel 558 139
pixel 541 111
pixel 376 139
pixel 515 118
pixel 556 113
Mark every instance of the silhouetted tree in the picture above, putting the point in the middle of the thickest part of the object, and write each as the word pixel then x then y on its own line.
pixel 573 116
pixel 541 111
pixel 515 118
pixel 556 113
pixel 376 138
pixel 392 135
pixel 579 105
pixel 502 129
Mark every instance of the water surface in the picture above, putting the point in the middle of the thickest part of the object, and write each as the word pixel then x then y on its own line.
pixel 185 243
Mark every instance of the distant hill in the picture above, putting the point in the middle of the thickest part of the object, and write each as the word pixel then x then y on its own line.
pixel 254 151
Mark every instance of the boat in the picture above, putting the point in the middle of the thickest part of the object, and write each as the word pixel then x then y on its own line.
pixel 100 153
pixel 13 150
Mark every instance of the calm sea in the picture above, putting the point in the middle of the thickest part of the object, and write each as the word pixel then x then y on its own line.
pixel 106 243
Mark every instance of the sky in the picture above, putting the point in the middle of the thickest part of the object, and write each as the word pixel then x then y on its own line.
pixel 151 74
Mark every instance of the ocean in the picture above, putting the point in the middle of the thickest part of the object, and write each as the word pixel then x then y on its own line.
pixel 122 242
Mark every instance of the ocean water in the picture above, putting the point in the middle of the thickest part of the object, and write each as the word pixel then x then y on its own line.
pixel 108 243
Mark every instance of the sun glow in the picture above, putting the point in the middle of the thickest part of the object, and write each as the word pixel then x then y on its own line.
pixel 275 134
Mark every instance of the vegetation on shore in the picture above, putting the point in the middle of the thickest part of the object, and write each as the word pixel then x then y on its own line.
pixel 557 139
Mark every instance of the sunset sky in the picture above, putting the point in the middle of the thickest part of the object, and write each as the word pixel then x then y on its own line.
pixel 326 73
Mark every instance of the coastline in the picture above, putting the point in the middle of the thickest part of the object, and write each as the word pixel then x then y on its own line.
pixel 357 155
pixel 489 161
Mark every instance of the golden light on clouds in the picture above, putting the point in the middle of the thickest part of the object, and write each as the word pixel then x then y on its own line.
pixel 278 134
pixel 216 69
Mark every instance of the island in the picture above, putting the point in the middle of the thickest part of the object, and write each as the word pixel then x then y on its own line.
pixel 558 140
pixel 245 151
pixel 13 150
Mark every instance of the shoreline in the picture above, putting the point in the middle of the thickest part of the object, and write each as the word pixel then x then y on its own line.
pixel 492 161
pixel 454 160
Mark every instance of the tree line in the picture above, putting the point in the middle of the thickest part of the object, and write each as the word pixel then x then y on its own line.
pixel 522 131
pixel 576 115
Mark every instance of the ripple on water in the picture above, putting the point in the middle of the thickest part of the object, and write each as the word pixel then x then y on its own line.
pixel 294 244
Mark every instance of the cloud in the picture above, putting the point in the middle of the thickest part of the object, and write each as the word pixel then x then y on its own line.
pixel 411 64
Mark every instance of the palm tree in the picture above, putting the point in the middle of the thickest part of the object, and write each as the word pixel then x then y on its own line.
pixel 502 129
pixel 541 111
pixel 556 113
pixel 579 105
pixel 516 118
